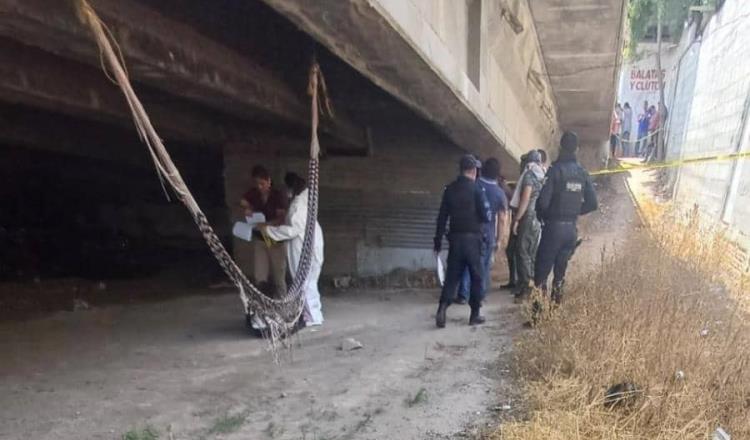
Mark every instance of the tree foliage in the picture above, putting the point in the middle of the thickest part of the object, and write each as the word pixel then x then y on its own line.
pixel 642 15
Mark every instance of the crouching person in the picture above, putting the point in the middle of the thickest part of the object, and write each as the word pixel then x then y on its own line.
pixel 292 233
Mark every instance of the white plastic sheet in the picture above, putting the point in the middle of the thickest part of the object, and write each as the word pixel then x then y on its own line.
pixel 440 270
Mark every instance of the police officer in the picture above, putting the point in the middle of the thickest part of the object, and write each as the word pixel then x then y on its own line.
pixel 566 194
pixel 465 204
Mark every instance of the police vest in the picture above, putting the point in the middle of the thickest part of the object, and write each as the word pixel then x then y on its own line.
pixel 567 197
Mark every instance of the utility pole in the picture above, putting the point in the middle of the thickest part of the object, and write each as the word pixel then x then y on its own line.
pixel 660 153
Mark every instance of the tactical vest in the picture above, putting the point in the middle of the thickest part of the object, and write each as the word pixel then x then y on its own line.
pixel 567 197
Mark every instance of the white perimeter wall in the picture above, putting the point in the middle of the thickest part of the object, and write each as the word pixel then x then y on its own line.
pixel 709 94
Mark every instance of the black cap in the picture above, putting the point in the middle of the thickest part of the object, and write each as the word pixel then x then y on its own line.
pixel 469 162
pixel 569 141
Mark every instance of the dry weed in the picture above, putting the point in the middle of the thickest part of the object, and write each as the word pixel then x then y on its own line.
pixel 655 315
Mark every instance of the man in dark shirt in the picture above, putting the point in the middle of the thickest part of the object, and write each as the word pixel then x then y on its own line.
pixel 567 194
pixel 465 204
pixel 267 260
pixel 264 198
pixel 492 231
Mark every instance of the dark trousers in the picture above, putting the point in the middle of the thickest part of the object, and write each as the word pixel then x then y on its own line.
pixel 642 144
pixel 555 249
pixel 511 253
pixel 465 252
pixel 486 259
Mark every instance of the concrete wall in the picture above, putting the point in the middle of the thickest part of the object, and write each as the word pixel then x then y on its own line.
pixel 639 79
pixel 521 115
pixel 710 100
pixel 377 212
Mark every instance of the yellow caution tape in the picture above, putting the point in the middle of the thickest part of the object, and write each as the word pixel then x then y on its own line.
pixel 626 167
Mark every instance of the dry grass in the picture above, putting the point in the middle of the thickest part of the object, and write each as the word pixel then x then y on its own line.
pixel 657 314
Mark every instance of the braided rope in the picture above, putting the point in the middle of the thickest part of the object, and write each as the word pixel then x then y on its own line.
pixel 279 315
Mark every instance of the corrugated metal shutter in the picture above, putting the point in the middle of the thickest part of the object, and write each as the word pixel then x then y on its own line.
pixel 383 219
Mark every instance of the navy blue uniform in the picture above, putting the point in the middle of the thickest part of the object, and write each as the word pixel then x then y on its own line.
pixel 566 194
pixel 498 203
pixel 465 205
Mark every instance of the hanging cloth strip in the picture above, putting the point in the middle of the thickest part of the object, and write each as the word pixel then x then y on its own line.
pixel 278 316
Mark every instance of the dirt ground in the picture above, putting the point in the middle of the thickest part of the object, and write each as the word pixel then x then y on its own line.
pixel 186 365
pixel 188 362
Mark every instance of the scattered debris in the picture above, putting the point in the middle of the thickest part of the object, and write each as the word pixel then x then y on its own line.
pixel 79 304
pixel 505 407
pixel 344 282
pixel 621 394
pixel 282 395
pixel 704 332
pixel 420 397
pixel 350 344
pixel 720 434
pixel 679 375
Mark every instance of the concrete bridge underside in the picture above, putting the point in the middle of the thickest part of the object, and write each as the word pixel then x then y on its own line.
pixel 581 41
pixel 415 83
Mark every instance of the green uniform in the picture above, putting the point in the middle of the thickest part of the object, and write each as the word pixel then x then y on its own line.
pixel 529 228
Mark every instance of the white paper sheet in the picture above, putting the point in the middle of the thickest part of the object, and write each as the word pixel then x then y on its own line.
pixel 256 219
pixel 243 231
pixel 440 270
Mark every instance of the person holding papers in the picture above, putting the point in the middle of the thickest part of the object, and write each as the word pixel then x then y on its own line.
pixel 268 267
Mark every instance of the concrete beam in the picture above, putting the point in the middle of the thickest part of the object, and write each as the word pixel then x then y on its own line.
pixel 360 35
pixel 34 78
pixel 21 127
pixel 169 56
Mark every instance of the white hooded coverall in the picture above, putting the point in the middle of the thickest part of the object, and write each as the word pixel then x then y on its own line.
pixel 292 232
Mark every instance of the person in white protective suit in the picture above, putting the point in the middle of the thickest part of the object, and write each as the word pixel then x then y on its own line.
pixel 292 233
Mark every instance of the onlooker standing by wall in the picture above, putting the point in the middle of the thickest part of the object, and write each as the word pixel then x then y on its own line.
pixel 627 125
pixel 614 131
pixel 643 123
pixel 653 130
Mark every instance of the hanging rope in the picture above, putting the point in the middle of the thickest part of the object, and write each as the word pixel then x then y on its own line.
pixel 279 316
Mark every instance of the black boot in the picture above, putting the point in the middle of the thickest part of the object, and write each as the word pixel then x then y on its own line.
pixel 440 316
pixel 475 318
pixel 557 292
pixel 520 296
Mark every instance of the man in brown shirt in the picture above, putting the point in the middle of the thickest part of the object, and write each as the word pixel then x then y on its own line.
pixel 267 261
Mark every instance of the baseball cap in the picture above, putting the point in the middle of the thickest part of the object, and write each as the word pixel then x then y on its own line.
pixel 469 162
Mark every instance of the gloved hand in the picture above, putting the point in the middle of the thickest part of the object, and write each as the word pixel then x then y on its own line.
pixel 438 244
